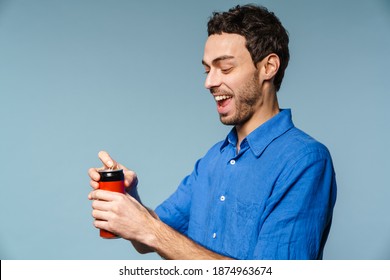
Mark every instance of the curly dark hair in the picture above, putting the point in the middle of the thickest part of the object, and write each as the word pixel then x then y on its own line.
pixel 262 30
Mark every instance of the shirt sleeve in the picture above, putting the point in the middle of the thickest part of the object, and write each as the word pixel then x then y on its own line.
pixel 298 214
pixel 175 210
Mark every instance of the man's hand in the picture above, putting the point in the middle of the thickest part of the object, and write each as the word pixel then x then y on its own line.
pixel 131 179
pixel 120 214
pixel 124 215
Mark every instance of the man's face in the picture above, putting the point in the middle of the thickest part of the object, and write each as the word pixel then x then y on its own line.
pixel 232 78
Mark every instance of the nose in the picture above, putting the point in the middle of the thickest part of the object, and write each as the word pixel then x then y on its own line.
pixel 213 79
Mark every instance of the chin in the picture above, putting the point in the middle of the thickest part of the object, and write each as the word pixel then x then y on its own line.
pixel 226 120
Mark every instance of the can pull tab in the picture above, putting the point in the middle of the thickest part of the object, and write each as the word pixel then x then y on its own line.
pixel 114 166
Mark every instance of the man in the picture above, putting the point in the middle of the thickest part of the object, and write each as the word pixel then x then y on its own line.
pixel 266 192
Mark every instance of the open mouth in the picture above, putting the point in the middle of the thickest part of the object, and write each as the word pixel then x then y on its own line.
pixel 222 100
pixel 223 103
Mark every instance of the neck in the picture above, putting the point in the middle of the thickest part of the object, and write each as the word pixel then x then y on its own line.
pixel 265 111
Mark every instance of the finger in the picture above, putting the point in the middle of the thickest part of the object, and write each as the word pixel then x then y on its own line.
pixel 100 205
pixel 107 161
pixel 94 174
pixel 103 195
pixel 131 178
pixel 101 224
pixel 94 184
pixel 100 215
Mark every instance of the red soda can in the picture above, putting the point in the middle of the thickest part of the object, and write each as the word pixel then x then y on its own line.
pixel 111 180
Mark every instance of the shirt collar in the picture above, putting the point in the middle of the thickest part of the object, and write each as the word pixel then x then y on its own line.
pixel 262 136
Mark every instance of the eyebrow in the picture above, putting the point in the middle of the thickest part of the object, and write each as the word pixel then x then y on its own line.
pixel 218 59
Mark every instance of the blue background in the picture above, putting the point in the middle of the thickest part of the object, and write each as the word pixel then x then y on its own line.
pixel 77 77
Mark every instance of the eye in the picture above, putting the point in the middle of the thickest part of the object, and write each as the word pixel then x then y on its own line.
pixel 226 70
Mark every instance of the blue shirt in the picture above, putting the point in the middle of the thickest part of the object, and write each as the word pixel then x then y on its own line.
pixel 272 200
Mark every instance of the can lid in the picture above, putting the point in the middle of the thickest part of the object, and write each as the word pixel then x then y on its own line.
pixel 111 175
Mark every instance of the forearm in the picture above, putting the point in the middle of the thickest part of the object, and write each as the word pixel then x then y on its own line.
pixel 156 236
pixel 170 244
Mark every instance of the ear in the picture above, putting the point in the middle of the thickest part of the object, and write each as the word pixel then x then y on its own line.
pixel 269 66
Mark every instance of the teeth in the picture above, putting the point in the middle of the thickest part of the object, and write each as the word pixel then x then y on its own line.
pixel 221 97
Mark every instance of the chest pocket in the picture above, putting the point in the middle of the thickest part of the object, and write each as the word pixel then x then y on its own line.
pixel 242 229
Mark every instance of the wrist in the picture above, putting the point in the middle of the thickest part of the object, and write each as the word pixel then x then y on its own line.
pixel 150 237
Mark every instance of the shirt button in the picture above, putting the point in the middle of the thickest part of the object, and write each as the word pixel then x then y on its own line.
pixel 222 198
pixel 232 162
pixel 214 235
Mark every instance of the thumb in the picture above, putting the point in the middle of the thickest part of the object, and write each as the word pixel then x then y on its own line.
pixel 106 159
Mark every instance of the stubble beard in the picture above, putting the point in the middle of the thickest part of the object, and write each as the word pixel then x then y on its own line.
pixel 245 99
